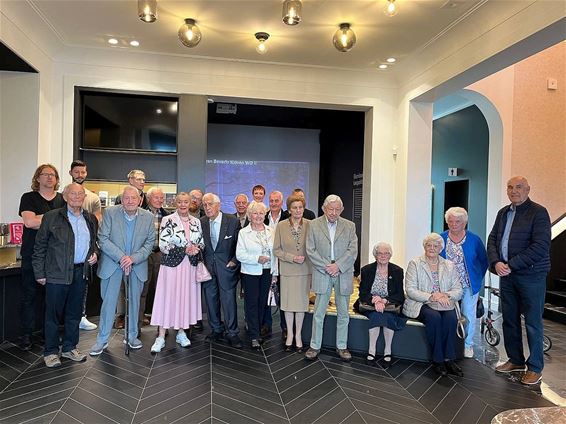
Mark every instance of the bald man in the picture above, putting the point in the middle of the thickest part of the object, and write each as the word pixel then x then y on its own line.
pixel 518 249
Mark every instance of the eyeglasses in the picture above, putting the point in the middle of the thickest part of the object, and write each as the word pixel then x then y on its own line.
pixel 45 174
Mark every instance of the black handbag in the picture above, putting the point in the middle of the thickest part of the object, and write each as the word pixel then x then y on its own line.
pixel 174 257
pixel 389 307
pixel 480 309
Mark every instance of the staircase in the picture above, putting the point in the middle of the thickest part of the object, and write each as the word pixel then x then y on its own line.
pixel 555 300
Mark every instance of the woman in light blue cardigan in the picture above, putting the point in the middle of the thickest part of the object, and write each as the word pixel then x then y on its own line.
pixel 467 252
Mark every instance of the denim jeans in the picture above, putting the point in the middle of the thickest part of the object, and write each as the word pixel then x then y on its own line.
pixel 468 307
pixel 523 294
pixel 342 319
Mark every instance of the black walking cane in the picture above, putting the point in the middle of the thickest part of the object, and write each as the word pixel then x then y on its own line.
pixel 126 312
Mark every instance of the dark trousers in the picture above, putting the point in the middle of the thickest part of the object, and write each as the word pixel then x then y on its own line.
pixel 440 329
pixel 255 300
pixel 523 294
pixel 219 298
pixel 63 303
pixel 148 291
pixel 268 318
pixel 32 298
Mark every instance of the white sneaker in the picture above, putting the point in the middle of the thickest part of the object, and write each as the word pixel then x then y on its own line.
pixel 85 324
pixel 468 352
pixel 182 339
pixel 158 345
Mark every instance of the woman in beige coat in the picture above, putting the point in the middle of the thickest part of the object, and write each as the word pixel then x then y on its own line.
pixel 294 269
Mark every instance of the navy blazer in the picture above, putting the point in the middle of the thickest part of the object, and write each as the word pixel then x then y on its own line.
pixel 395 293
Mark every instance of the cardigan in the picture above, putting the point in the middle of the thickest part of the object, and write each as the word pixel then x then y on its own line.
pixel 395 292
pixel 248 251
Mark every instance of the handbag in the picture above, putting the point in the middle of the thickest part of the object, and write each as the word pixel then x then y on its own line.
pixel 174 257
pixel 203 274
pixel 389 307
pixel 460 331
pixel 480 309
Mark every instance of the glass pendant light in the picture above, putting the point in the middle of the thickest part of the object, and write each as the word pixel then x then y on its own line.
pixel 292 12
pixel 147 10
pixel 189 33
pixel 391 8
pixel 262 38
pixel 344 38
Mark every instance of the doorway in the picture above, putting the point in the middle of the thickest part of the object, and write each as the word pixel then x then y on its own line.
pixel 456 193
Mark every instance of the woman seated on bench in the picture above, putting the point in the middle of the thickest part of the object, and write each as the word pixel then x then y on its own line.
pixel 381 298
pixel 433 287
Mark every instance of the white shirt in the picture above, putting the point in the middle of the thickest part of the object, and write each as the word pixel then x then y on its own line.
pixel 273 222
pixel 332 233
pixel 215 227
pixel 249 249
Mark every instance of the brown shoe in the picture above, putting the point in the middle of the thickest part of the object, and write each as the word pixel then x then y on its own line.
pixel 145 321
pixel 119 322
pixel 344 354
pixel 312 354
pixel 510 367
pixel 531 377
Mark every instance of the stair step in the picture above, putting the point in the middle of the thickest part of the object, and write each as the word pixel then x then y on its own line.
pixel 556 297
pixel 555 313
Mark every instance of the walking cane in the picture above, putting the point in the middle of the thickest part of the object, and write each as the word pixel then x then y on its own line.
pixel 126 312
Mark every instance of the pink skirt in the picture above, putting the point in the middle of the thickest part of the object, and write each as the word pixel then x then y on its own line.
pixel 177 301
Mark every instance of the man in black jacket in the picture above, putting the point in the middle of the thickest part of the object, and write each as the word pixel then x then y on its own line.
pixel 220 233
pixel 65 250
pixel 518 250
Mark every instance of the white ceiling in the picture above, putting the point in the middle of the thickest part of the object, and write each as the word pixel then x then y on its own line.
pixel 228 27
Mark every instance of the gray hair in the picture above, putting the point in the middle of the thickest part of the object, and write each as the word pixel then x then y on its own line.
pixel 382 245
pixel 68 188
pixel 215 198
pixel 331 199
pixel 456 212
pixel 134 172
pixel 256 206
pixel 434 238
pixel 152 191
pixel 241 195
pixel 277 193
pixel 130 188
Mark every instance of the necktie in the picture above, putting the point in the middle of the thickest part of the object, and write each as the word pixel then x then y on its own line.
pixel 213 237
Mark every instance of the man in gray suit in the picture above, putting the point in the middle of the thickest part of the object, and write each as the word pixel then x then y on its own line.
pixel 220 233
pixel 332 247
pixel 126 240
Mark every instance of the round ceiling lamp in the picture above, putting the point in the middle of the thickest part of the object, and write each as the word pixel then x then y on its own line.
pixel 344 38
pixel 391 8
pixel 147 10
pixel 292 12
pixel 262 38
pixel 189 33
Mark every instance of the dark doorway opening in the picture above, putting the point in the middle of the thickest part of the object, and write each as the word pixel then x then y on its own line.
pixel 456 194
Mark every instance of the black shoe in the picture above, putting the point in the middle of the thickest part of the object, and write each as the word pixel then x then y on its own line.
pixel 25 342
pixel 288 348
pixel 440 368
pixel 370 360
pixel 198 326
pixel 213 337
pixel 265 331
pixel 235 341
pixel 255 344
pixel 453 369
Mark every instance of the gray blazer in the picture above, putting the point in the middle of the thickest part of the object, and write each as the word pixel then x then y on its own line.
pixel 345 253
pixel 112 242
pixel 418 284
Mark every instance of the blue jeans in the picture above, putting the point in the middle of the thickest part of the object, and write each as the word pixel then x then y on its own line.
pixel 523 294
pixel 109 291
pixel 440 327
pixel 63 303
pixel 468 307
pixel 342 319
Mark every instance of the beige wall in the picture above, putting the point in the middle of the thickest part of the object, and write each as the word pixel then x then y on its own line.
pixel 534 124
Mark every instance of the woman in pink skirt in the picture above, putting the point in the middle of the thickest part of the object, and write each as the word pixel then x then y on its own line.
pixel 177 301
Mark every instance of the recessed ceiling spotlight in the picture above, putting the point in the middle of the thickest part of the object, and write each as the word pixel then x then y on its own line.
pixel 383 66
pixel 134 43
pixel 391 60
pixel 158 111
pixel 113 41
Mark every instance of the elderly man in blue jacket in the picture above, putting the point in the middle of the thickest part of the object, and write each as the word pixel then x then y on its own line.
pixel 518 250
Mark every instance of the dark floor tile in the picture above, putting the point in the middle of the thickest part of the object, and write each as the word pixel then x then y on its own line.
pixel 65 376
pixel 84 414
pixel 309 397
pixel 120 373
pixel 252 373
pixel 386 415
pixel 436 393
pixel 333 407
pixel 167 373
pixel 220 356
pixel 8 373
pixel 38 414
pixel 179 378
pixel 358 370
pixel 115 383
pixel 190 401
pixel 409 374
pixel 470 411
pixel 449 407
pixel 250 379
pixel 251 412
pixel 184 360
pixel 108 408
pixel 179 357
pixel 487 415
pixel 23 355
pixel 260 403
pixel 127 363
pixel 201 416
pixel 422 383
pixel 253 355
pixel 25 394
pixel 372 419
pixel 284 362
pixel 228 416
pixel 194 410
pixel 109 394
pixel 261 392
pixel 61 417
pixel 381 393
pixel 354 418
pixel 371 380
pixel 299 365
pixel 306 384
pixel 299 376
pixel 192 388
pixel 13 361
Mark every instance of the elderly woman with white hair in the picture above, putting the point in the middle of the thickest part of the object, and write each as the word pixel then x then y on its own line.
pixel 381 297
pixel 254 250
pixel 433 287
pixel 467 251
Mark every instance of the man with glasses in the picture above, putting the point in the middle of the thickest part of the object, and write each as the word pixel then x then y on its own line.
pixel 136 178
pixel 42 198
pixel 195 208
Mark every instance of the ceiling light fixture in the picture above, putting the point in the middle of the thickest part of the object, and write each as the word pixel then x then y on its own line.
pixel 262 38
pixel 134 43
pixel 147 10
pixel 189 33
pixel 383 66
pixel 344 38
pixel 391 8
pixel 292 12
pixel 391 60
pixel 158 111
pixel 112 41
